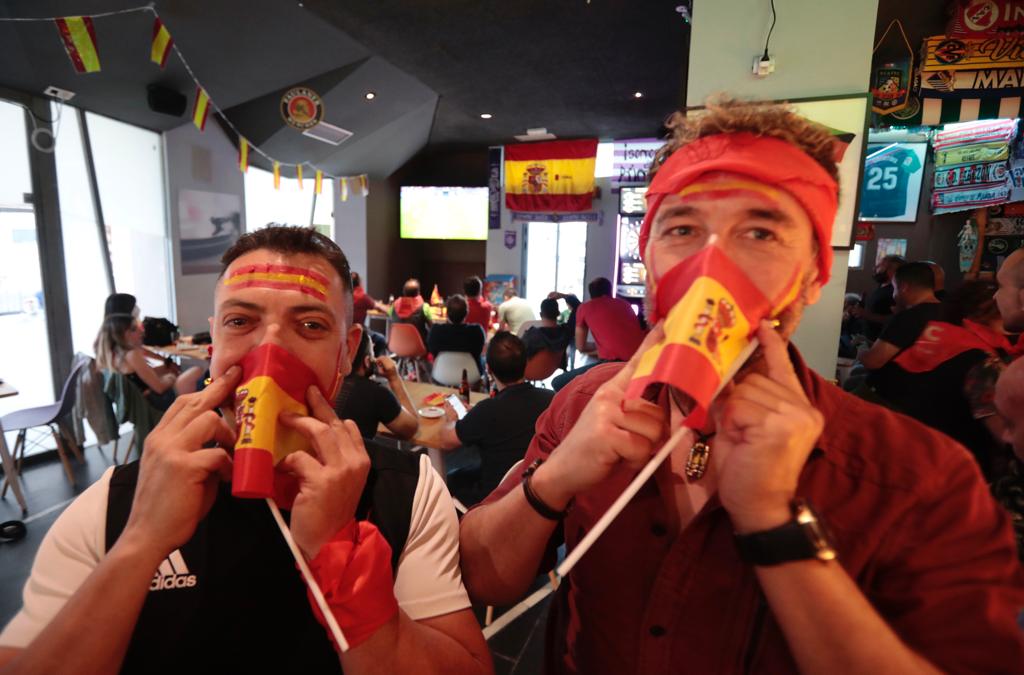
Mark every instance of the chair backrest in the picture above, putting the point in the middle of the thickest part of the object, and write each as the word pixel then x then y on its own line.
pixel 527 325
pixel 405 340
pixel 67 394
pixel 448 367
pixel 130 405
pixel 543 364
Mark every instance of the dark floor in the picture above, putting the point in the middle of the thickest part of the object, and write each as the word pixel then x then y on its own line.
pixel 518 648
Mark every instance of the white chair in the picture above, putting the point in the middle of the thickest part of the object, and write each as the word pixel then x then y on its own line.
pixel 527 325
pixel 448 367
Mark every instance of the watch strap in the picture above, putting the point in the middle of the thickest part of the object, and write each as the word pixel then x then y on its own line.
pixel 538 504
pixel 782 544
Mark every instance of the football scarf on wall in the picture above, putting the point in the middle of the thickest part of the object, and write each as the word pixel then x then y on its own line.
pixel 985 18
pixel 984 152
pixel 971 174
pixel 943 53
pixel 552 176
pixel 973 133
pixel 969 197
pixel 964 83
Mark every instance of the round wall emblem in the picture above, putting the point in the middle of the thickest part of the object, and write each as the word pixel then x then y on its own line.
pixel 981 15
pixel 302 108
pixel 997 246
pixel 950 51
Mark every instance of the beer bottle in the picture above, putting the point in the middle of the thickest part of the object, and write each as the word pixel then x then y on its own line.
pixel 464 387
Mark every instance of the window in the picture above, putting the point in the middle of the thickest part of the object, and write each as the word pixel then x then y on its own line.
pixel 556 255
pixel 289 205
pixel 856 261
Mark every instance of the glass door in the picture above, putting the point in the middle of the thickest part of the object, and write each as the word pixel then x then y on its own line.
pixel 556 259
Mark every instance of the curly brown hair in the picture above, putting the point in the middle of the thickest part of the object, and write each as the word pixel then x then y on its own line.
pixel 726 115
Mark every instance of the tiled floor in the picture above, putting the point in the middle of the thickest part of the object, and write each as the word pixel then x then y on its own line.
pixel 518 649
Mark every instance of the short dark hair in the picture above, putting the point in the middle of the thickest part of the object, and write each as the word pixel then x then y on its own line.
pixel 916 275
pixel 549 309
pixel 411 288
pixel 600 287
pixel 457 308
pixel 974 300
pixel 506 357
pixel 356 281
pixel 472 286
pixel 892 258
pixel 293 240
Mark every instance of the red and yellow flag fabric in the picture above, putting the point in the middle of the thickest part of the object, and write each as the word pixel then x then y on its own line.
pixel 318 182
pixel 162 43
pixel 344 189
pixel 298 174
pixel 273 381
pixel 277 175
pixel 280 277
pixel 79 38
pixel 551 176
pixel 364 185
pixel 435 297
pixel 711 310
pixel 940 341
pixel 200 109
pixel 243 155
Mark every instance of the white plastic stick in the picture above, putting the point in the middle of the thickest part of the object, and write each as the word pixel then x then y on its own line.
pixel 300 559
pixel 616 508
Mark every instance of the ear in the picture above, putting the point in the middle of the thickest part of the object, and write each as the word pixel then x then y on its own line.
pixel 352 338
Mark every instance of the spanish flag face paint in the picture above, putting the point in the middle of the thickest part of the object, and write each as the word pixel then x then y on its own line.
pixel 280 277
pixel 274 381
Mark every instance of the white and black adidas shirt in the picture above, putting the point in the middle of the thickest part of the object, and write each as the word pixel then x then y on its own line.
pixel 428 582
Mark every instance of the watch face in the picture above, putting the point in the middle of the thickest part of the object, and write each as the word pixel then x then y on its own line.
pixel 819 537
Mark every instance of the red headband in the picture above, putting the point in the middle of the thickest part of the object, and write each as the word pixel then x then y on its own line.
pixel 769 160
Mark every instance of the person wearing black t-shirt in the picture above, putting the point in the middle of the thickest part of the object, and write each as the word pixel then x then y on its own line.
pixel 368 403
pixel 880 302
pixel 456 335
pixel 500 427
pixel 914 285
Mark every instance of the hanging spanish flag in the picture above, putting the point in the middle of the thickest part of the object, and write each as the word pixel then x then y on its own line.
pixel 711 310
pixel 364 185
pixel 318 182
pixel 200 109
pixel 274 381
pixel 277 175
pixel 243 155
pixel 79 39
pixel 162 43
pixel 344 189
pixel 298 174
pixel 553 176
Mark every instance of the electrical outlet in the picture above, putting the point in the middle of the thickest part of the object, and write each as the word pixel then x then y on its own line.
pixel 763 67
pixel 58 93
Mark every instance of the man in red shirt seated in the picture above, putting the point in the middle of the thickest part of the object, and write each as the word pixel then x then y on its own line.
pixel 904 565
pixel 480 311
pixel 613 325
pixel 361 304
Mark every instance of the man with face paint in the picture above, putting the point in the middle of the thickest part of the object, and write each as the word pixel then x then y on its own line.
pixel 184 577
pixel 732 568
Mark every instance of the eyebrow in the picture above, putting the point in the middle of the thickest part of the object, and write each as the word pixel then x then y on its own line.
pixel 297 309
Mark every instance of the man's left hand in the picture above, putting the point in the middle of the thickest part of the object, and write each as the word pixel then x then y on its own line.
pixel 329 489
pixel 766 430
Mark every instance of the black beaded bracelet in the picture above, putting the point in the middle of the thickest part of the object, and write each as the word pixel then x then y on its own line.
pixel 536 502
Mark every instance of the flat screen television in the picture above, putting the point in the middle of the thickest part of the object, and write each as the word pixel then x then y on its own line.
pixel 444 213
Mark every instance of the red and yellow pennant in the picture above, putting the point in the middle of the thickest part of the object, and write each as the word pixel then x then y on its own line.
pixel 318 182
pixel 364 185
pixel 243 155
pixel 162 43
pixel 343 184
pixel 280 277
pixel 79 38
pixel 711 310
pixel 552 176
pixel 277 175
pixel 273 381
pixel 200 109
pixel 298 174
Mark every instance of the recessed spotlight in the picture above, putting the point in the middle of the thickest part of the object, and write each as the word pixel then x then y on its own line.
pixel 486 116
pixel 638 94
pixel 369 96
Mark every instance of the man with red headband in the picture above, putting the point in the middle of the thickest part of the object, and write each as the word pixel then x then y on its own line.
pixel 159 568
pixel 814 532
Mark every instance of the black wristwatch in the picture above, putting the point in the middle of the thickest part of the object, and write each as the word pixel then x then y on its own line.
pixel 803 538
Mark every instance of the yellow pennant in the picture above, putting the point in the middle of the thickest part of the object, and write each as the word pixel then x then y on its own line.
pixel 298 174
pixel 277 175
pixel 243 155
pixel 200 109
pixel 364 185
pixel 344 189
pixel 318 183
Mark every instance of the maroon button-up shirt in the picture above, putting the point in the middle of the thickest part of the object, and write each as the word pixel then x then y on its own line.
pixel 915 527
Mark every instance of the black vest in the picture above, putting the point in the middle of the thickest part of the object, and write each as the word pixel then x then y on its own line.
pixel 231 600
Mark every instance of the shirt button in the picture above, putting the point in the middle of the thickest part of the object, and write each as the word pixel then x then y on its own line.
pixel 657 631
pixel 658 530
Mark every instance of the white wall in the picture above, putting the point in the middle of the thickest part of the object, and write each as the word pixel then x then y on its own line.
pixel 821 47
pixel 204 161
pixel 350 229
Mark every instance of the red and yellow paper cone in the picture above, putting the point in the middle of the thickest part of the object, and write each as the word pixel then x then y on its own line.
pixel 273 381
pixel 711 310
pixel 79 38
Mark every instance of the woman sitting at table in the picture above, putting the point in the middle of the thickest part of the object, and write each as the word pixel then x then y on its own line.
pixel 368 403
pixel 119 349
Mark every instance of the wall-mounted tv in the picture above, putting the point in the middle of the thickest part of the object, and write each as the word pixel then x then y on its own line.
pixel 444 213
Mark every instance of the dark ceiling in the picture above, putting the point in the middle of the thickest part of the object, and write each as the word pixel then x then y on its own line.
pixel 570 66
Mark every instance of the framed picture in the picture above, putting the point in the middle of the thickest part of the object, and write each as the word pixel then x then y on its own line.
pixel 890 247
pixel 209 224
pixel 892 182
pixel 847 116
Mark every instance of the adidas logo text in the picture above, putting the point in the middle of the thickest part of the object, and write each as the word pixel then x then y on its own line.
pixel 172 573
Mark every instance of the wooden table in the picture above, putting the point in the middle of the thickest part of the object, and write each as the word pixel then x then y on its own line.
pixel 5 455
pixel 429 433
pixel 197 352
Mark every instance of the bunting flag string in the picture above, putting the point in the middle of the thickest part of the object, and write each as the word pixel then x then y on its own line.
pixel 318 183
pixel 78 37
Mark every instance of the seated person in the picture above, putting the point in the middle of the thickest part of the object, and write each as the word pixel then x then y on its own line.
pixel 550 335
pixel 513 312
pixel 853 328
pixel 500 427
pixel 118 348
pixel 368 403
pixel 480 310
pixel 916 305
pixel 184 577
pixel 410 308
pixel 362 303
pixel 455 335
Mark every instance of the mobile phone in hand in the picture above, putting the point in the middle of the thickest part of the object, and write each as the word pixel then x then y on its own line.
pixel 456 403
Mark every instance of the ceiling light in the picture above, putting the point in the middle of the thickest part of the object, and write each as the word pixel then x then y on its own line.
pixel 486 116
pixel 369 96
pixel 638 94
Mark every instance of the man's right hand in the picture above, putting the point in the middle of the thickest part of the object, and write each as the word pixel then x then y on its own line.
pixel 178 476
pixel 386 366
pixel 611 430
